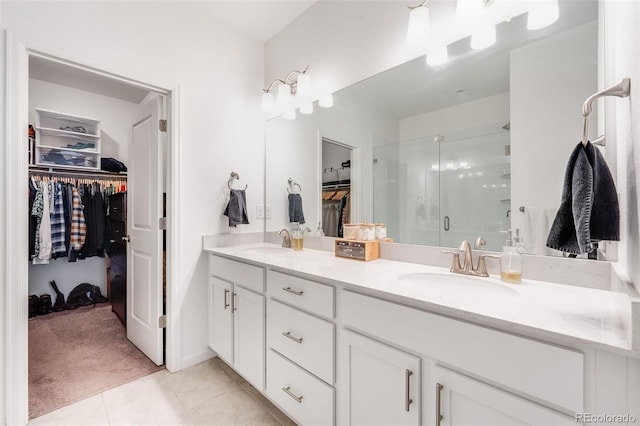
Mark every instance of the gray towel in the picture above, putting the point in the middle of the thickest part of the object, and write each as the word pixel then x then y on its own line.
pixel 295 208
pixel 236 209
pixel 589 209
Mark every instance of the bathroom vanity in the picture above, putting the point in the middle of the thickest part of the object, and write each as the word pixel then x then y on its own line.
pixel 334 341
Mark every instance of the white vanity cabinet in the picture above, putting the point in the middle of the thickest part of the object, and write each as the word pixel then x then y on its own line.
pixel 507 370
pixel 237 315
pixel 301 347
pixel 383 385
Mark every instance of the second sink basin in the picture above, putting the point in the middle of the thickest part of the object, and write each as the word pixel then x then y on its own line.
pixel 460 284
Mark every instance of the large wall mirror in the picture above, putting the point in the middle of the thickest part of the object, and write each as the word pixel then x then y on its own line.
pixel 441 154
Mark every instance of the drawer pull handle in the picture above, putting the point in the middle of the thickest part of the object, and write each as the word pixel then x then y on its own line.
pixel 226 302
pixel 287 390
pixel 295 339
pixel 290 290
pixel 438 392
pixel 407 397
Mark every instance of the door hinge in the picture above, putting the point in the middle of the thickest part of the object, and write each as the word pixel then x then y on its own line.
pixel 163 125
pixel 162 321
pixel 162 223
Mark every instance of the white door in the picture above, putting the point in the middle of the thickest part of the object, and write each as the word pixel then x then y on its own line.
pixel 144 254
pixel 248 327
pixel 383 383
pixel 468 402
pixel 221 318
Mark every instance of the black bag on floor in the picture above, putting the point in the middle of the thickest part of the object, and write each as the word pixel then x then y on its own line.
pixel 33 305
pixel 85 294
pixel 44 304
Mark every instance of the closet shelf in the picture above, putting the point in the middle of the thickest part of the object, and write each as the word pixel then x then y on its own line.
pixel 67 133
pixel 75 171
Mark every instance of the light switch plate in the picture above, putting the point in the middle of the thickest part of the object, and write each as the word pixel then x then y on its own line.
pixel 268 211
pixel 259 212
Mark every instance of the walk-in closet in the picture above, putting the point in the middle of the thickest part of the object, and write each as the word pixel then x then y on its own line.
pixel 80 168
pixel 336 187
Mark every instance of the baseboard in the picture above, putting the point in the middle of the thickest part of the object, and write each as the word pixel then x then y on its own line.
pixel 196 359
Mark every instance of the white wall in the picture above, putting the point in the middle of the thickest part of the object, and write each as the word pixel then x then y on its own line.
pixel 622 59
pixel 4 293
pixel 219 72
pixel 550 80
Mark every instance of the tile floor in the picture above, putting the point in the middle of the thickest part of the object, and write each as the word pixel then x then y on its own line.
pixel 209 393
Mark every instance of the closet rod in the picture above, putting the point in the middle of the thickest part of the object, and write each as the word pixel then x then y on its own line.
pixel 51 171
pixel 621 90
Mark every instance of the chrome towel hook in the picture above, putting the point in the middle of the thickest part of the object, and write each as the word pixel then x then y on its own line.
pixel 621 90
pixel 234 175
pixel 293 183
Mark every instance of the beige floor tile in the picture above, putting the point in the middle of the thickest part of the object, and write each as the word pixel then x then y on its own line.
pixel 233 408
pixel 158 408
pixel 235 376
pixel 195 389
pixel 255 394
pixel 149 385
pixel 89 412
pixel 281 417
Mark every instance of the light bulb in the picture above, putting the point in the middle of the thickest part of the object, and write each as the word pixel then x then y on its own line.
pixel 326 101
pixel 484 37
pixel 284 94
pixel 290 115
pixel 304 85
pixel 437 55
pixel 418 28
pixel 542 14
pixel 267 102
pixel 306 108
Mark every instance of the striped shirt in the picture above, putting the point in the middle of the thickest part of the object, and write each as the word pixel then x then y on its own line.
pixel 57 222
pixel 78 225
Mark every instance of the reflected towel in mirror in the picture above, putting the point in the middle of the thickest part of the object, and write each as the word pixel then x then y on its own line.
pixel 589 210
pixel 537 223
pixel 295 208
pixel 236 209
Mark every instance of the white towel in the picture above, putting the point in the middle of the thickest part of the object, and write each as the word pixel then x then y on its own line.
pixel 537 223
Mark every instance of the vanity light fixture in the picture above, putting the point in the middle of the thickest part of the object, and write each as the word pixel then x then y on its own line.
pixel 418 29
pixel 542 14
pixel 306 108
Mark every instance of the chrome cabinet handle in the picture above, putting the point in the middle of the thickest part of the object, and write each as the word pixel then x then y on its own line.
pixel 226 302
pixel 290 290
pixel 407 396
pixel 446 223
pixel 295 339
pixel 233 302
pixel 438 392
pixel 287 390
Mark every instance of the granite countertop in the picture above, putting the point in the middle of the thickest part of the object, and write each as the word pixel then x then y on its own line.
pixel 562 314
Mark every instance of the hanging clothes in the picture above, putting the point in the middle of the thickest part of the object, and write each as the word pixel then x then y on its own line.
pixel 58 230
pixel 44 232
pixel 78 234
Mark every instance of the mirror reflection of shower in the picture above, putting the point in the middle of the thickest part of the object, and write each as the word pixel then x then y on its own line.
pixel 336 187
pixel 446 188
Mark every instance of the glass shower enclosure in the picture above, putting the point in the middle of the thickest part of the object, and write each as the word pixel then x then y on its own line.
pixel 445 188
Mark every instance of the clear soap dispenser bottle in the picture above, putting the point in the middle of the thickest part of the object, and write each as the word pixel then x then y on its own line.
pixel 511 262
pixel 297 239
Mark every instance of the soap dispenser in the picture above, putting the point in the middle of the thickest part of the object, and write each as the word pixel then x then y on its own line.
pixel 297 239
pixel 511 262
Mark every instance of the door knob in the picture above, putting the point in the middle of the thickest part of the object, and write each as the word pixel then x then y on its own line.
pixel 127 239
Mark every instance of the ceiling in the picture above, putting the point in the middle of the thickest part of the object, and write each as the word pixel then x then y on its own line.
pixel 260 19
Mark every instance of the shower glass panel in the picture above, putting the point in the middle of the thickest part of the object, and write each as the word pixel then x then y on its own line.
pixel 442 189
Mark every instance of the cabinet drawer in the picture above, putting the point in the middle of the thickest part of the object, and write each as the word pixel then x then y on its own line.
pixel 303 338
pixel 248 276
pixel 308 400
pixel 305 294
pixel 544 371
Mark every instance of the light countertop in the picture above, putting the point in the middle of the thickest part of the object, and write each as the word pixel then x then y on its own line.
pixel 568 315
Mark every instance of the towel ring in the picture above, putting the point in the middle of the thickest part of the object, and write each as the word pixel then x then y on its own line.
pixel 621 90
pixel 293 183
pixel 234 175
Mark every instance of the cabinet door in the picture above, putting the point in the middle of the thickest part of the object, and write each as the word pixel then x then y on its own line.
pixel 249 341
pixel 464 401
pixel 383 386
pixel 221 318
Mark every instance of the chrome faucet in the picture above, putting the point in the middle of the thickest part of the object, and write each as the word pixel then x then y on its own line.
pixel 467 267
pixel 286 238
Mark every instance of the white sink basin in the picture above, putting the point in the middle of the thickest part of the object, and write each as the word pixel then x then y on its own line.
pixel 266 250
pixel 460 285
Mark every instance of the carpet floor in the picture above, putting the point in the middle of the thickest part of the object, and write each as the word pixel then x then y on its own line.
pixel 77 354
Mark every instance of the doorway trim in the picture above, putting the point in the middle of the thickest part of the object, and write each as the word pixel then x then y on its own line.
pixel 15 224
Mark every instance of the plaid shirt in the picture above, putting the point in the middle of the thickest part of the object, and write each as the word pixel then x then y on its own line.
pixel 78 225
pixel 57 222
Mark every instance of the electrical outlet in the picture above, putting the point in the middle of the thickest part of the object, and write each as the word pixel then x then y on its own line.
pixel 259 212
pixel 268 211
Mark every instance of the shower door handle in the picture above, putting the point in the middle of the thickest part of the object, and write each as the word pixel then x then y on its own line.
pixel 446 223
